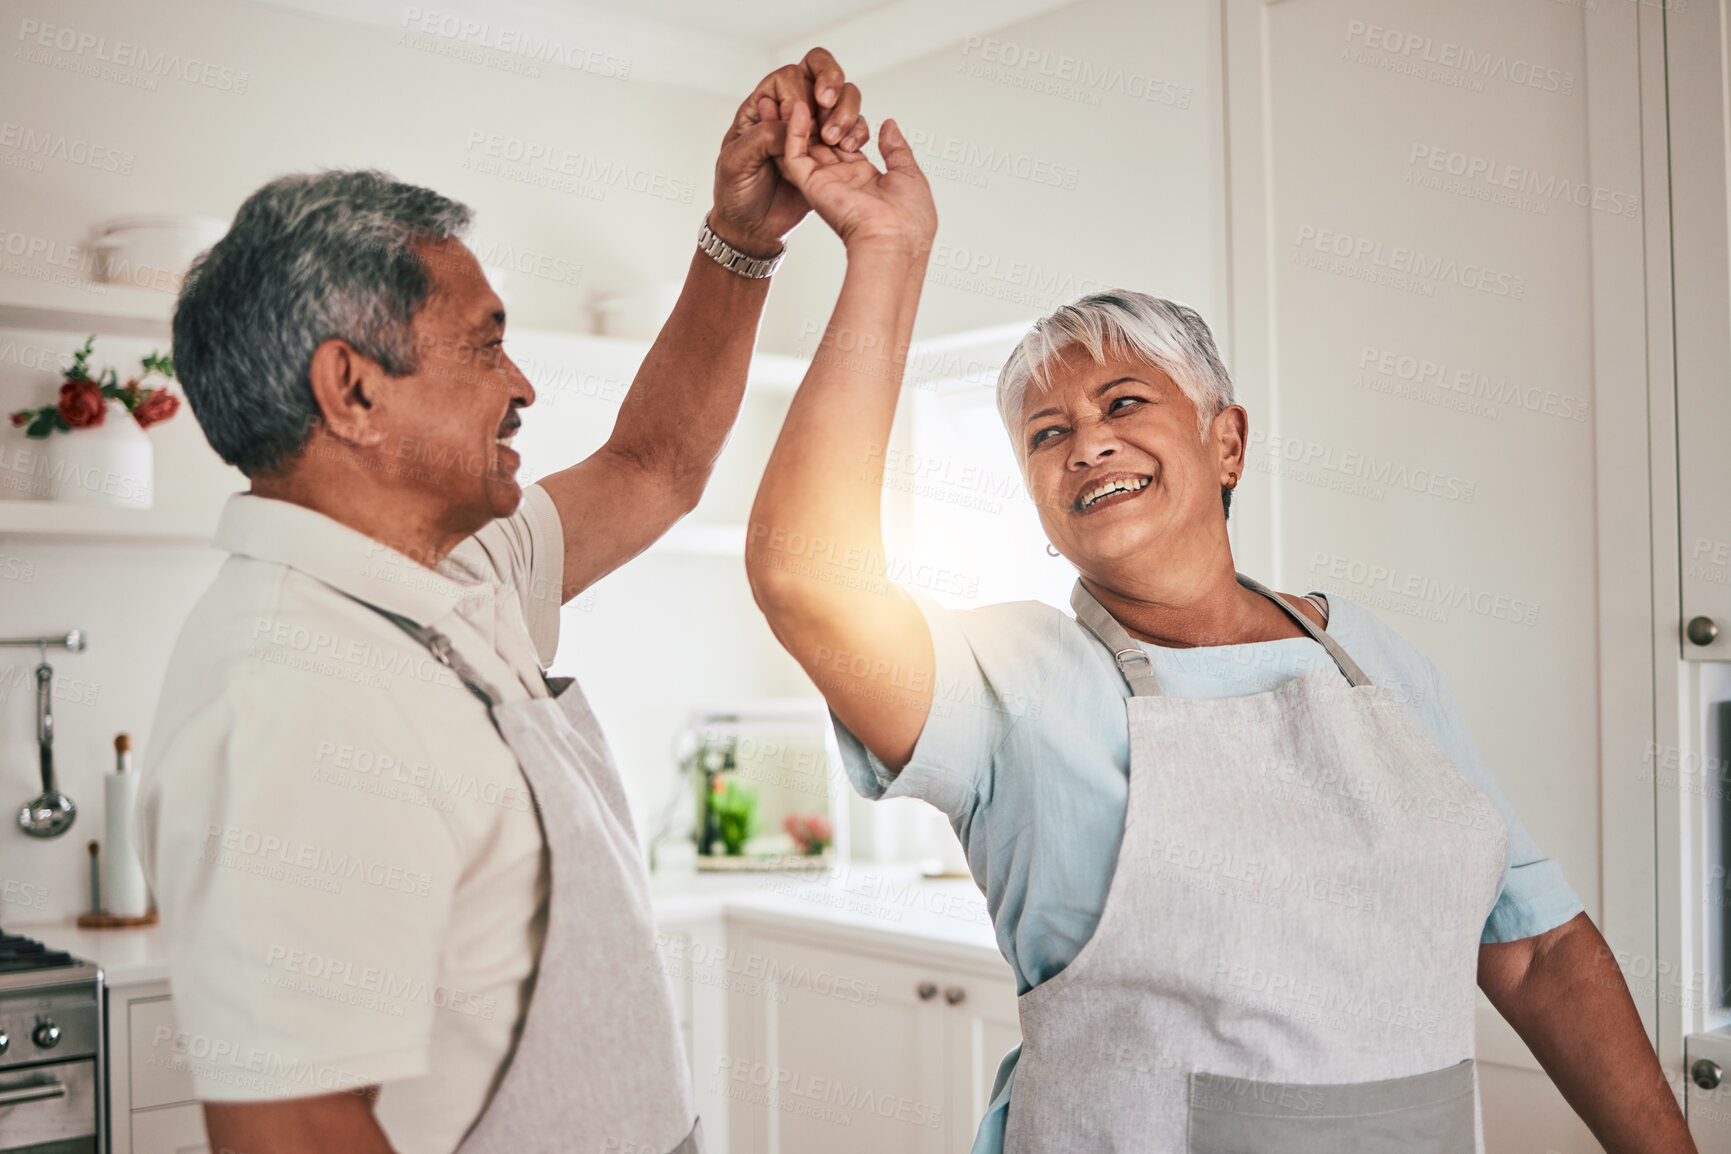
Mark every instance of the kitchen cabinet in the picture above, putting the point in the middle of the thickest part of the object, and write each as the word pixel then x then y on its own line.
pixel 1700 116
pixel 1695 958
pixel 153 1108
pixel 845 1042
pixel 980 1030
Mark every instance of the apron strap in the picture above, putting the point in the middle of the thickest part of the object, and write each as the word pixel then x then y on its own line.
pixel 443 652
pixel 1133 660
pixel 1347 665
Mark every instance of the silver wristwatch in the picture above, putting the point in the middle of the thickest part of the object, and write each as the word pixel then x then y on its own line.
pixel 732 259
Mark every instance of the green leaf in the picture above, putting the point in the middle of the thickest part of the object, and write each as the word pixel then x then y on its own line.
pixel 80 370
pixel 42 423
pixel 158 363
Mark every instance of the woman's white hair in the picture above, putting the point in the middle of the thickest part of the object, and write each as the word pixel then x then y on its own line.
pixel 1125 325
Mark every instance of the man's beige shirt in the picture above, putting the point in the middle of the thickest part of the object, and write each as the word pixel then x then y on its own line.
pixel 350 871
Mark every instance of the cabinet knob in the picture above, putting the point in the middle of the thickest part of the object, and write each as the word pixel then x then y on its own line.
pixel 1701 630
pixel 5 1041
pixel 1705 1073
pixel 955 995
pixel 927 991
pixel 46 1035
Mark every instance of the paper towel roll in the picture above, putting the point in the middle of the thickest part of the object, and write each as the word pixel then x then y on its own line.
pixel 123 890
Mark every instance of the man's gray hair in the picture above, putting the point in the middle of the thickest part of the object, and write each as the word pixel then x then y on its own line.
pixel 308 258
pixel 1126 325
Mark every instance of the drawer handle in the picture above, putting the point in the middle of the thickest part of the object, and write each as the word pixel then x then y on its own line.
pixel 32 1093
pixel 927 991
pixel 955 995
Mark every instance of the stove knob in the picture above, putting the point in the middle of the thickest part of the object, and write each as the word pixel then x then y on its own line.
pixel 46 1035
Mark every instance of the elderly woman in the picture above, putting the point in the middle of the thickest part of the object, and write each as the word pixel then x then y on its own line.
pixel 1238 846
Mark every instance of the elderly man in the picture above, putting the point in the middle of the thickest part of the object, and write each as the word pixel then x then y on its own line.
pixel 406 906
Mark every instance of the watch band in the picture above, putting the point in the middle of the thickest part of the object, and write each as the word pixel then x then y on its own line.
pixel 732 259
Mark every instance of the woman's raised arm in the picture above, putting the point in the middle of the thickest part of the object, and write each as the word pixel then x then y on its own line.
pixel 814 548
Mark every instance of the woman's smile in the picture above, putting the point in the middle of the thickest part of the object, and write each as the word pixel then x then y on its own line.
pixel 1112 489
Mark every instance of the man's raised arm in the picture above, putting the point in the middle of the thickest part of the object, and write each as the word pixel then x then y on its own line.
pixel 676 417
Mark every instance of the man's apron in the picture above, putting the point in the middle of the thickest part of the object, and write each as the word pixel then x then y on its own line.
pixel 599 1066
pixel 1288 954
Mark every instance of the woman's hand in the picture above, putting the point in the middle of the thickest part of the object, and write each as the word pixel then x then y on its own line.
pixel 754 205
pixel 864 206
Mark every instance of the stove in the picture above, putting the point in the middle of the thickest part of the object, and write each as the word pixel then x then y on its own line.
pixel 51 1050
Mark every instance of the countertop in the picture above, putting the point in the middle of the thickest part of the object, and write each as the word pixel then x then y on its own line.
pixel 883 906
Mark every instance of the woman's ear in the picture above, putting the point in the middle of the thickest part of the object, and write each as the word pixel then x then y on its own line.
pixel 343 382
pixel 1230 434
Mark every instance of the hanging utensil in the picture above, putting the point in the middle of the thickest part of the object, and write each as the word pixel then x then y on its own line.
pixel 50 813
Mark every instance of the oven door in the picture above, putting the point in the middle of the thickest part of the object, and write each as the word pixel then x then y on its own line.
pixel 49 1109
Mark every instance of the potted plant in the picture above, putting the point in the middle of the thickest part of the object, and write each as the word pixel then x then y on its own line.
pixel 735 809
pixel 811 832
pixel 105 458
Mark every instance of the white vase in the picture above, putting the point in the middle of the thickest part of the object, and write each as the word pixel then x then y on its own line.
pixel 110 464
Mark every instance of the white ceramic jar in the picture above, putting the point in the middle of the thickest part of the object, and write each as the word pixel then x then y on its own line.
pixel 110 464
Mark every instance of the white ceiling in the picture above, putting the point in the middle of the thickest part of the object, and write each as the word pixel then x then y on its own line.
pixel 721 46
pixel 767 23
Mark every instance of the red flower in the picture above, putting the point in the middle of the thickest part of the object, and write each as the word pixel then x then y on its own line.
pixel 157 405
pixel 82 404
pixel 21 418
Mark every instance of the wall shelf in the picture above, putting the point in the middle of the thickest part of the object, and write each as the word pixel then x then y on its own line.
pixel 64 520
pixel 69 306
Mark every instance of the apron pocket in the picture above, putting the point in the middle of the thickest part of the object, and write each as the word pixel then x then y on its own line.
pixel 1430 1113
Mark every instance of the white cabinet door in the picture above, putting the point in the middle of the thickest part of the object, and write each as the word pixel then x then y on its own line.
pixel 170 1130
pixel 1702 254
pixel 831 1050
pixel 159 1072
pixel 980 1028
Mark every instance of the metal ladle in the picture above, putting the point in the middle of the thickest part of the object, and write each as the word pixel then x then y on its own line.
pixel 51 813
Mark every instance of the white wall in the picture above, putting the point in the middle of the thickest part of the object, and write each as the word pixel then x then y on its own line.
pixel 319 93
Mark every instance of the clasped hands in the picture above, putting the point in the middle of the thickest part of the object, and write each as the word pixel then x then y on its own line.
pixel 795 147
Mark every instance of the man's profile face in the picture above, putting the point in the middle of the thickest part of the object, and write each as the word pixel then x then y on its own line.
pixel 451 417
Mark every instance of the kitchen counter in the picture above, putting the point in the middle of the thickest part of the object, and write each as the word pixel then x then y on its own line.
pixel 127 956
pixel 876 905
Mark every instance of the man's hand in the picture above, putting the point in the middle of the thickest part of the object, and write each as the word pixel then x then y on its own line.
pixel 754 205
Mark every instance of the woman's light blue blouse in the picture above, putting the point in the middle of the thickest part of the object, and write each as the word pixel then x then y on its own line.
pixel 1027 750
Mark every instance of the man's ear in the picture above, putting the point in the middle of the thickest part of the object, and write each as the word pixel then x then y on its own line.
pixel 345 388
pixel 1230 432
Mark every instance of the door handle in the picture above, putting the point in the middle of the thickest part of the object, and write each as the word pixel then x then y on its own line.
pixel 32 1093
pixel 1701 630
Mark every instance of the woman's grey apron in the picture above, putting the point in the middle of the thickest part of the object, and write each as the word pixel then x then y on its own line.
pixel 599 1065
pixel 1288 954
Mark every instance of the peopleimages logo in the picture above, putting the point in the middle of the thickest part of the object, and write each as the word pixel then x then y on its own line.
pixel 1366 258
pixel 542 49
pixel 1421 48
pixel 49 145
pixel 86 52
